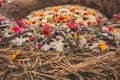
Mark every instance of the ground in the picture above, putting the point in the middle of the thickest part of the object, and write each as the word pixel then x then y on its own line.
pixel 106 7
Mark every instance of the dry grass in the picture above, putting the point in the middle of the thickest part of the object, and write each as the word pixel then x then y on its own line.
pixel 60 66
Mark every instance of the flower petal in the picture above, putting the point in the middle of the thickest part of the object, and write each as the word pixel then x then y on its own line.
pixel 21 30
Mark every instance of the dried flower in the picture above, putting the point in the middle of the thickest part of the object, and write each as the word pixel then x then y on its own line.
pixel 89 40
pixel 110 28
pixel 73 8
pixel 67 18
pixel 31 39
pixel 17 29
pixel 38 14
pixel 29 22
pixel 107 44
pixel 102 46
pixel 91 12
pixel 75 36
pixel 61 18
pixel 14 56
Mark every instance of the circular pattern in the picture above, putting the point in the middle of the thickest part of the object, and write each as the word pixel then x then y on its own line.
pixel 61 27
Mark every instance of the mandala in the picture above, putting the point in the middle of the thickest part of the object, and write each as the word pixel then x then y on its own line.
pixel 61 28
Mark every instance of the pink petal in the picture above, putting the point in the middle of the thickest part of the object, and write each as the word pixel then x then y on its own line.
pixel 99 20
pixel 21 23
pixel 1 19
pixel 76 25
pixel 38 46
pixel 21 30
pixel 46 26
pixel 17 29
pixel 107 43
pixel 117 16
pixel 114 15
pixel 72 25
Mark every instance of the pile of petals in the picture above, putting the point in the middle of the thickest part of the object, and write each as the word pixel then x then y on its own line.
pixel 60 15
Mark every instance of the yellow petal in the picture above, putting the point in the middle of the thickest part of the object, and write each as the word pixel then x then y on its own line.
pixel 102 46
pixel 14 56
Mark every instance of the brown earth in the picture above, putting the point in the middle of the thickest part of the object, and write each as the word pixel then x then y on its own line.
pixel 21 8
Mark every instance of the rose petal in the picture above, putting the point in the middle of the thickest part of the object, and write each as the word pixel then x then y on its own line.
pixel 21 30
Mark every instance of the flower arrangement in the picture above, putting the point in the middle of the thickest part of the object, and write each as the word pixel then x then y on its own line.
pixel 60 28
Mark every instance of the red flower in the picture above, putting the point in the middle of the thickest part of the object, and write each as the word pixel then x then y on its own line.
pixel 72 25
pixel 59 19
pixel 31 39
pixel 46 26
pixel 17 29
pixel 110 28
pixel 89 40
pixel 46 32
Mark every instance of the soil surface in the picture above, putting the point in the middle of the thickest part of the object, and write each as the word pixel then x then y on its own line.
pixel 20 8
